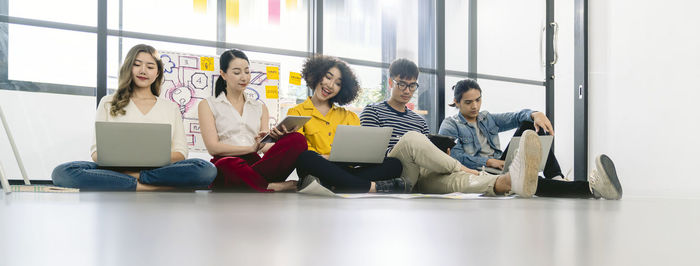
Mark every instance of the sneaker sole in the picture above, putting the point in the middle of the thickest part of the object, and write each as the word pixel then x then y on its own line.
pixel 531 143
pixel 604 163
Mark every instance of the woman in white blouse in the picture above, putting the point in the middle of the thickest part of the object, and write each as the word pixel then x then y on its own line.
pixel 232 126
pixel 137 101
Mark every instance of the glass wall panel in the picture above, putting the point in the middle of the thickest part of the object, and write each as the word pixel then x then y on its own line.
pixel 457 35
pixel 82 12
pixel 271 23
pixel 52 56
pixel 380 31
pixel 179 18
pixel 510 38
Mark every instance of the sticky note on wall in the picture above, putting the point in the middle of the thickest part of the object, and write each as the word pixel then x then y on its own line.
pixel 206 63
pixel 273 73
pixel 200 6
pixel 295 78
pixel 271 92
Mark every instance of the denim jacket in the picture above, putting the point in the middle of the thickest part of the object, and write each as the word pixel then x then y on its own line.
pixel 468 147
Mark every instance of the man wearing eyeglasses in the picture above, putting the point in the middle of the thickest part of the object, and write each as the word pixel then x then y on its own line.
pixel 426 168
pixel 393 112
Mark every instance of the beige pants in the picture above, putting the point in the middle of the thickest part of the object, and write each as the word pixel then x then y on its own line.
pixel 429 170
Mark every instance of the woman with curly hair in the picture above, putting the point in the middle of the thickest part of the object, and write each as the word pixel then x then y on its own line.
pixel 333 83
pixel 136 101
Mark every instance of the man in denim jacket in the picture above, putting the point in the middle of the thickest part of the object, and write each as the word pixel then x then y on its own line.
pixel 478 145
pixel 477 131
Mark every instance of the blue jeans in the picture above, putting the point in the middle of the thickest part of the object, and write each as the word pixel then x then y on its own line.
pixel 190 173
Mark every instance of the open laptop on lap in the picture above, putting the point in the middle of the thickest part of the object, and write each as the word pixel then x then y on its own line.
pixel 545 144
pixel 358 144
pixel 132 145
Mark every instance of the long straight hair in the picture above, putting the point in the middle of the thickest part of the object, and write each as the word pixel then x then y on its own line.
pixel 224 62
pixel 126 79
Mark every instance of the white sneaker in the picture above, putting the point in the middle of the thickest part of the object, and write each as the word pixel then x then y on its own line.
pixel 524 167
pixel 603 180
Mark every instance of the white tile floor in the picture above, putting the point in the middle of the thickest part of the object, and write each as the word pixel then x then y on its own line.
pixel 125 228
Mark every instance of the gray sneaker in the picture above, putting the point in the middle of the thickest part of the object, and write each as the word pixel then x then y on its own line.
pixel 396 185
pixel 603 180
pixel 306 180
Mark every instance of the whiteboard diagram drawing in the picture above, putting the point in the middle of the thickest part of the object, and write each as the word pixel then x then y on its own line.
pixel 188 79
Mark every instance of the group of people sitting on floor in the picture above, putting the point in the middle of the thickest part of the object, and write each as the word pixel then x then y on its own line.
pixel 232 126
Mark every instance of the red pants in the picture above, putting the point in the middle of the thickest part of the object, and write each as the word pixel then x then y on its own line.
pixel 249 171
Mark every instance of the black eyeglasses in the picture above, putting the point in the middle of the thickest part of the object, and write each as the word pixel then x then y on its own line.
pixel 403 85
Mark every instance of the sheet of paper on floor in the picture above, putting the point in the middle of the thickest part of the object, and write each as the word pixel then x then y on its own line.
pixel 316 189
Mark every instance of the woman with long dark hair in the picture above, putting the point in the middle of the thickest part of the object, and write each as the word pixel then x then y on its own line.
pixel 232 126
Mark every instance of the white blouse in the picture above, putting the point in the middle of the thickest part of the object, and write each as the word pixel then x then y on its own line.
pixel 233 128
pixel 163 112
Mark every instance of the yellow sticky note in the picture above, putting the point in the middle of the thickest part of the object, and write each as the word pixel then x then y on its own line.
pixel 295 78
pixel 200 6
pixel 273 73
pixel 206 63
pixel 271 92
pixel 291 4
pixel 232 14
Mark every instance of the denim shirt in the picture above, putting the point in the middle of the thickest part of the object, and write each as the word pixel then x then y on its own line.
pixel 468 147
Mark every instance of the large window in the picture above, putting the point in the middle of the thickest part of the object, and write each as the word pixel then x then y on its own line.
pixel 180 18
pixel 81 12
pixel 45 55
pixel 273 23
pixel 50 62
pixel 379 32
pixel 501 44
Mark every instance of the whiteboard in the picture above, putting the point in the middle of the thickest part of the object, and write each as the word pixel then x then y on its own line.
pixel 190 78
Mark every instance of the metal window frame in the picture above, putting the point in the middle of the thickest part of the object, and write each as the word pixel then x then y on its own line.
pixel 580 90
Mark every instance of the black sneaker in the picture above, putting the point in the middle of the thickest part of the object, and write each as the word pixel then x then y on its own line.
pixel 396 185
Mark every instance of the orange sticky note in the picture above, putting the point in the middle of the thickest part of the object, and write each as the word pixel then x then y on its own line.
pixel 271 92
pixel 273 73
pixel 295 78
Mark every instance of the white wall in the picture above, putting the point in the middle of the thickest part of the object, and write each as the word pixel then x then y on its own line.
pixel 644 59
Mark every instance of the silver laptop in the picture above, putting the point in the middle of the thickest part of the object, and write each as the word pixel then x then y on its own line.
pixel 545 144
pixel 357 144
pixel 132 144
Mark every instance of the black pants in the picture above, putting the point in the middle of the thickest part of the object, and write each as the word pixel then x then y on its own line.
pixel 551 167
pixel 562 189
pixel 546 187
pixel 343 177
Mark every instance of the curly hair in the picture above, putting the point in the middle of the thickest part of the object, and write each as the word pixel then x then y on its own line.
pixel 126 79
pixel 315 69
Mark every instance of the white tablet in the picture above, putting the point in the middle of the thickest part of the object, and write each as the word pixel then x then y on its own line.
pixel 289 122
